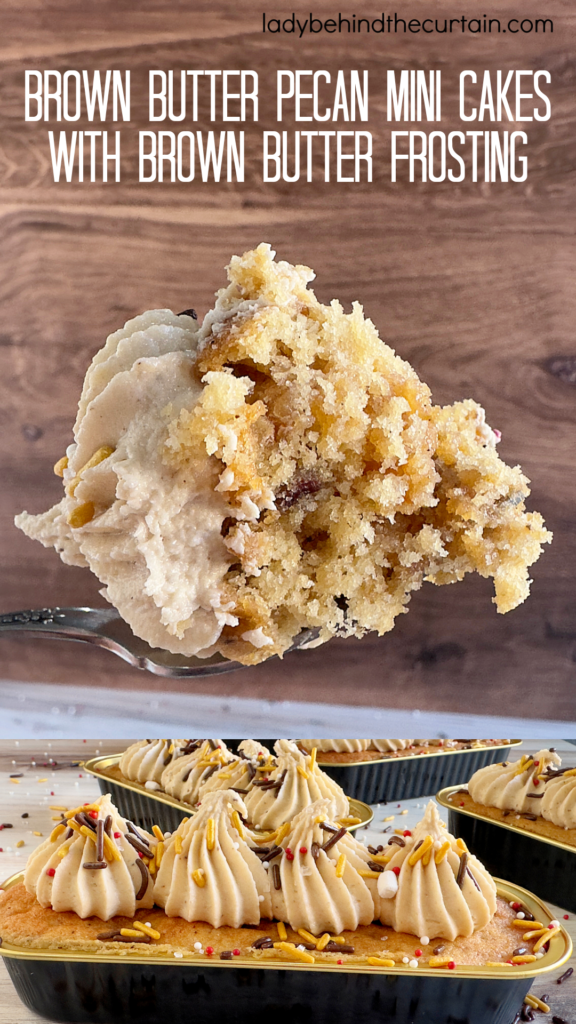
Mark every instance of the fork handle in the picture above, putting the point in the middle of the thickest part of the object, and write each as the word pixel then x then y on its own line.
pixel 67 623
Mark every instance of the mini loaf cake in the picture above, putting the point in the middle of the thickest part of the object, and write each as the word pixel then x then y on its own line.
pixel 277 468
pixel 353 751
pixel 214 888
pixel 534 794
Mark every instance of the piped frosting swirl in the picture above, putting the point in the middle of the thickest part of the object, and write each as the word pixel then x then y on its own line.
pixel 239 773
pixel 61 872
pixel 183 778
pixel 209 872
pixel 145 760
pixel 514 785
pixel 293 784
pixel 321 885
pixel 559 802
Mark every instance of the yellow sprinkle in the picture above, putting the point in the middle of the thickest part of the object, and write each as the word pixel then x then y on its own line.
pixel 307 936
pixel 571 772
pixel 15 782
pixel 382 858
pixel 535 1002
pixel 184 820
pixel 322 941
pixel 349 820
pixel 225 775
pixel 521 923
pixel 526 958
pixel 56 817
pixel 389 818
pixel 62 851
pixel 199 877
pixel 37 833
pixel 146 929
pixel 130 933
pixel 377 961
pixel 369 874
pixel 103 453
pixel 177 844
pixel 73 825
pixel 318 819
pixel 461 845
pixel 312 761
pixel 81 515
pixel 282 933
pixel 544 939
pixel 110 848
pixel 339 939
pixel 404 812
pixel 211 833
pixel 417 855
pixel 497 963
pixel 235 819
pixel 61 465
pixel 88 833
pixel 439 961
pixel 159 854
pixel 57 807
pixel 158 833
pixel 340 865
pixel 282 832
pixel 83 807
pixel 302 771
pixel 41 780
pixel 57 832
pixel 535 933
pixel 427 856
pixel 442 852
pixel 294 954
pixel 20 843
pixel 151 865
pixel 524 763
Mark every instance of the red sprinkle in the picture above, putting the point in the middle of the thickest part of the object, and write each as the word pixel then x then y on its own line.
pixel 1 849
pixel 50 872
pixel 51 792
pixel 339 961
pixel 536 782
pixel 209 950
pixel 462 804
pixel 566 917
pixel 236 952
pixel 536 763
pixel 516 906
pixel 551 927
pixel 407 832
pixel 303 849
pixel 289 854
pixel 93 814
pixel 451 965
pixel 117 835
pixel 396 871
pixel 139 854
pixel 417 952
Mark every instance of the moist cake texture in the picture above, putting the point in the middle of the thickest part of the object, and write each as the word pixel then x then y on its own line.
pixel 279 468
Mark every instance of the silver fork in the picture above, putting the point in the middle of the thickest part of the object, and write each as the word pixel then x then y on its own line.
pixel 104 628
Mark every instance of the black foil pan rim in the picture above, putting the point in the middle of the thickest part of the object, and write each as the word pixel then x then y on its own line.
pixel 552 960
pixel 392 758
pixel 93 766
pixel 442 798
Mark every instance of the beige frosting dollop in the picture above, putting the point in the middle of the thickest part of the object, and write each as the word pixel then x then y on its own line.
pixel 295 782
pixel 337 745
pixel 559 802
pixel 513 786
pixel 322 891
pixel 145 760
pixel 240 772
pixel 183 778
pixel 209 872
pixel 388 746
pixel 58 875
pixel 437 893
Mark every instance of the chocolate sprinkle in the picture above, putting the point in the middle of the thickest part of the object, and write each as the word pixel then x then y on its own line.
pixel 462 870
pixel 25 815
pixel 334 947
pixel 520 951
pixel 264 942
pixel 227 954
pixel 529 817
pixel 469 873
pixel 374 866
pixel 96 864
pixel 396 841
pixel 189 312
pixel 535 796
pixel 437 950
pixel 108 825
pixel 564 977
pixel 333 839
pixel 327 827
pixel 145 878
pixel 315 851
pixel 138 845
pixel 526 1013
pixel 7 824
pixel 559 1020
pixel 99 840
pixel 276 876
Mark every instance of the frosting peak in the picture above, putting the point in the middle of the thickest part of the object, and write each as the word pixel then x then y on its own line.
pixel 145 760
pixel 513 785
pixel 183 778
pixel 209 872
pixel 91 864
pixel 293 784
pixel 432 886
pixel 321 887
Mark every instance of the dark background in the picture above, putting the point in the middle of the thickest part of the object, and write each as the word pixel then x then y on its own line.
pixel 473 283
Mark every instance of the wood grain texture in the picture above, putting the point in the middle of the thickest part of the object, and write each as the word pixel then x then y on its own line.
pixel 473 283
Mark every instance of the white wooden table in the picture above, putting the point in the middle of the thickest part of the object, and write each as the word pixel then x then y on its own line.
pixel 42 786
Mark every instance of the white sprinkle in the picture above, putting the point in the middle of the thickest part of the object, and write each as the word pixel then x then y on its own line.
pixel 236 846
pixel 413 963
pixel 405 960
pixel 424 941
pixel 147 923
pixel 539 955
pixel 197 945
pixel 178 955
pixel 301 948
pixel 520 915
pixel 265 864
pixel 554 924
pixel 261 899
pixel 152 785
pixel 512 903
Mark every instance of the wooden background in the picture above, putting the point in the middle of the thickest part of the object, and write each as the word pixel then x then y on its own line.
pixel 473 283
